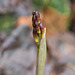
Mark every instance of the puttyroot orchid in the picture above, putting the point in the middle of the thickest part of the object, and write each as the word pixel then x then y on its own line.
pixel 39 36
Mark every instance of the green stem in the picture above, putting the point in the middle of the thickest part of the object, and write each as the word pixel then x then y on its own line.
pixel 37 60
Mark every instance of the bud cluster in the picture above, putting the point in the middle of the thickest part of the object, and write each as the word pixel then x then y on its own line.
pixel 38 28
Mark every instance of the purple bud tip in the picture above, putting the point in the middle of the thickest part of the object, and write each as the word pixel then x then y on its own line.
pixel 41 26
pixel 34 12
pixel 37 14
pixel 36 23
pixel 34 18
pixel 34 31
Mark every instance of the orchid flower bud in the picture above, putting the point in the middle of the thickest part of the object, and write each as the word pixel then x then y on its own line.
pixel 34 12
pixel 38 29
pixel 35 35
pixel 33 19
pixel 42 28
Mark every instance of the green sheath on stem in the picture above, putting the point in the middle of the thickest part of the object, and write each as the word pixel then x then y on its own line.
pixel 41 55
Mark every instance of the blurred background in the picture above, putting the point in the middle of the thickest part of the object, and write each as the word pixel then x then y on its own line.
pixel 17 46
